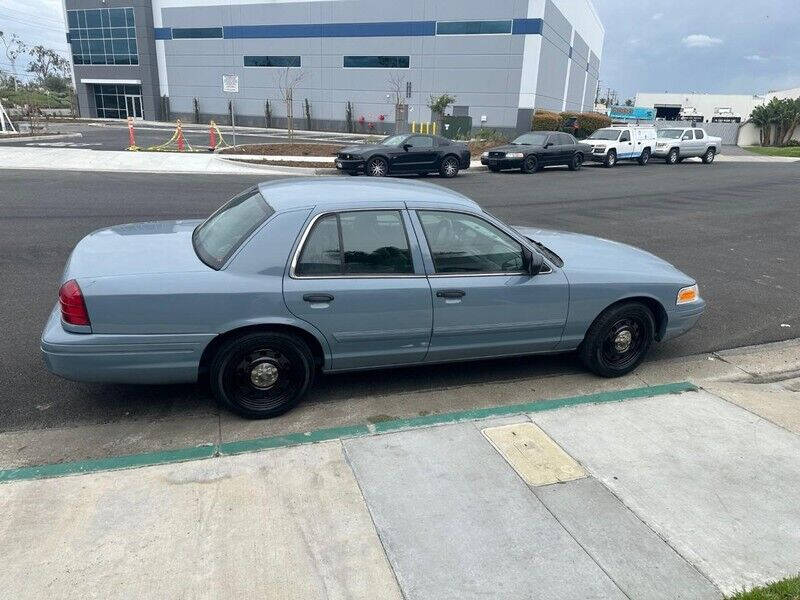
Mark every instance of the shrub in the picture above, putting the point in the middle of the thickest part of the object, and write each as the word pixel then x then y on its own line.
pixel 581 125
pixel 545 121
pixel 793 143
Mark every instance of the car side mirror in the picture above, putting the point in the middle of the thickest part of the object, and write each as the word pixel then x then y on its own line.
pixel 406 147
pixel 531 262
pixel 548 144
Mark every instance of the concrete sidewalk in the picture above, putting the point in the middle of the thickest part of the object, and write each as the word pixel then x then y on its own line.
pixel 657 492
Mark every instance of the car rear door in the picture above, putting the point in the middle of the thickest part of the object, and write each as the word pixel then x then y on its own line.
pixel 357 276
pixel 484 304
pixel 566 148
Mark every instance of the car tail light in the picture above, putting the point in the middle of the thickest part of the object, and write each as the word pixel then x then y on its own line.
pixel 73 307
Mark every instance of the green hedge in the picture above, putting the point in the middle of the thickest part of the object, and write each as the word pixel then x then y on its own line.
pixel 587 123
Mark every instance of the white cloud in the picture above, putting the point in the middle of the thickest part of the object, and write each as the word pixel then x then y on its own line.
pixel 700 40
pixel 658 16
pixel 755 58
pixel 634 41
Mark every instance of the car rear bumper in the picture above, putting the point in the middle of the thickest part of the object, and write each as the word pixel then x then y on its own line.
pixel 502 163
pixel 683 318
pixel 109 358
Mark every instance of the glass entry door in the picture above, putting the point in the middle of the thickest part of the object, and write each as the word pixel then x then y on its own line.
pixel 133 106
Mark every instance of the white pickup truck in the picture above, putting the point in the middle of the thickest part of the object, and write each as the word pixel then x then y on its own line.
pixel 676 143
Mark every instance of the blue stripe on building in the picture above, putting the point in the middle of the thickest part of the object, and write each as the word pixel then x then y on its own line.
pixel 337 30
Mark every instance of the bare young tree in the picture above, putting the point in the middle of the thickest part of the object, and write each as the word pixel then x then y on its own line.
pixel 287 81
pixel 47 63
pixel 397 88
pixel 13 47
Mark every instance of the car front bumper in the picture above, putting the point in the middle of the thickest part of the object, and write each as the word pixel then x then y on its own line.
pixel 111 358
pixel 349 164
pixel 683 318
pixel 502 163
pixel 597 155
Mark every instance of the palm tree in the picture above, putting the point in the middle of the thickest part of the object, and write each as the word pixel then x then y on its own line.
pixel 761 118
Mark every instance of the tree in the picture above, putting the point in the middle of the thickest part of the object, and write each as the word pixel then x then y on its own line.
pixel 46 63
pixel 760 117
pixel 439 104
pixel 287 82
pixel 13 48
pixel 397 88
pixel 629 102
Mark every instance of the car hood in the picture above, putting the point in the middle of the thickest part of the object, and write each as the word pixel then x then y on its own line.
pixel 513 148
pixel 365 148
pixel 579 251
pixel 136 248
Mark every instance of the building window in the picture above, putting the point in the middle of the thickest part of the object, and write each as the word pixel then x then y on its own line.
pixel 472 27
pixel 186 33
pixel 271 61
pixel 112 102
pixel 102 36
pixel 376 62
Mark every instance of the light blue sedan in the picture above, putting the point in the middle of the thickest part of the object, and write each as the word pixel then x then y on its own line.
pixel 297 276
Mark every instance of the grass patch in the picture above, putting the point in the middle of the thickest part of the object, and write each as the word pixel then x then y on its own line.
pixel 286 149
pixel 22 96
pixel 785 589
pixel 792 151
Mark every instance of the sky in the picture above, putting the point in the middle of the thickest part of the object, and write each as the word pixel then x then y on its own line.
pixel 716 46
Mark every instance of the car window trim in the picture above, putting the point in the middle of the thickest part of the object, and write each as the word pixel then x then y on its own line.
pixel 545 263
pixel 304 238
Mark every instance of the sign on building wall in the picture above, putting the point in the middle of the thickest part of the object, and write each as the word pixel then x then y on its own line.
pixel 632 113
pixel 230 84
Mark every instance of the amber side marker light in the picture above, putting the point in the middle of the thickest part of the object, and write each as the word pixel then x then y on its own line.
pixel 688 294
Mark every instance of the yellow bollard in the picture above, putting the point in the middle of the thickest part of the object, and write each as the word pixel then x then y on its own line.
pixel 413 127
pixel 434 128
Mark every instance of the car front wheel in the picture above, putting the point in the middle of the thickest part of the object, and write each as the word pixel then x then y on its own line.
pixel 377 167
pixel 577 162
pixel 449 167
pixel 618 340
pixel 611 158
pixel 530 164
pixel 262 374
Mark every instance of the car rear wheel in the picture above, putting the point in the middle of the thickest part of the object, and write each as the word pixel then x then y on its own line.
pixel 377 167
pixel 263 374
pixel 577 162
pixel 618 340
pixel 530 164
pixel 449 167
pixel 708 157
pixel 672 157
pixel 611 159
pixel 644 157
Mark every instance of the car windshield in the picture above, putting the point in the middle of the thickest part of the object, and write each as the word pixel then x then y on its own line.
pixel 394 140
pixel 672 134
pixel 605 134
pixel 218 237
pixel 530 139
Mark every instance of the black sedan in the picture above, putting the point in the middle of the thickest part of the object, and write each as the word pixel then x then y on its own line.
pixel 405 153
pixel 532 151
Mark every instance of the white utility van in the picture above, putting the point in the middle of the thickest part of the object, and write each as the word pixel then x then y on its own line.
pixel 622 142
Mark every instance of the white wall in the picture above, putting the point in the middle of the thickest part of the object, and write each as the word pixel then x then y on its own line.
pixel 704 104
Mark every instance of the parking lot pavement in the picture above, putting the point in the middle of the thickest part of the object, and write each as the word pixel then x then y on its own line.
pixel 678 494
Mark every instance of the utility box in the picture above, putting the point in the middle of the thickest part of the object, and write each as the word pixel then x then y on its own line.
pixel 456 128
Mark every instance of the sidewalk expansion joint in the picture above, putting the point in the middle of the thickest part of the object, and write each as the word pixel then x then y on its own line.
pixel 221 448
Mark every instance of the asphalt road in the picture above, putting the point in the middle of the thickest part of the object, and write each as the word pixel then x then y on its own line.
pixel 734 226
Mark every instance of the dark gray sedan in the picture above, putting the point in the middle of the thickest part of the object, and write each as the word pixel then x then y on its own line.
pixel 532 151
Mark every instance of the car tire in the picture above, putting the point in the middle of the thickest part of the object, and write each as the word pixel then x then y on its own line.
pixel 263 374
pixel 449 167
pixel 577 162
pixel 644 157
pixel 530 164
pixel 618 340
pixel 611 159
pixel 673 157
pixel 708 157
pixel 377 167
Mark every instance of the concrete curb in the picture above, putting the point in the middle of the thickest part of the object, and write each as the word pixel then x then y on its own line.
pixel 38 138
pixel 243 159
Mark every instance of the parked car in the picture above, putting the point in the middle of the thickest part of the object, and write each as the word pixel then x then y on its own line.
pixel 535 150
pixel 676 143
pixel 628 142
pixel 298 276
pixel 403 154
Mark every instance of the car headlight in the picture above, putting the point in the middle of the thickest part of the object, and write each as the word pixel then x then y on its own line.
pixel 599 147
pixel 688 294
pixel 485 155
pixel 514 155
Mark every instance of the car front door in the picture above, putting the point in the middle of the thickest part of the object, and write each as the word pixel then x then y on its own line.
pixel 626 145
pixel 550 152
pixel 484 303
pixel 357 276
pixel 687 144
pixel 417 153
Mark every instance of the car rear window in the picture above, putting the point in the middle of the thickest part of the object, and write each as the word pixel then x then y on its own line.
pixel 219 236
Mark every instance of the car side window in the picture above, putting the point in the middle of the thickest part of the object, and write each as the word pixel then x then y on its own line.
pixel 420 141
pixel 625 137
pixel 442 141
pixel 369 242
pixel 698 134
pixel 461 243
pixel 687 135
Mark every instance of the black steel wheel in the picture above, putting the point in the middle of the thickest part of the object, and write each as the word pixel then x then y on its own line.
pixel 377 167
pixel 449 167
pixel 262 374
pixel 577 162
pixel 618 340
pixel 530 164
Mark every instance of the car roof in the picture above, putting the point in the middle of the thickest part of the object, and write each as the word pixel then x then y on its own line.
pixel 287 194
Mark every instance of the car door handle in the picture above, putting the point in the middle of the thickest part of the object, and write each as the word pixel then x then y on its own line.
pixel 317 298
pixel 451 294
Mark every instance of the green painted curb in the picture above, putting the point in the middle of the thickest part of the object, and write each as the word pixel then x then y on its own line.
pixel 321 435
